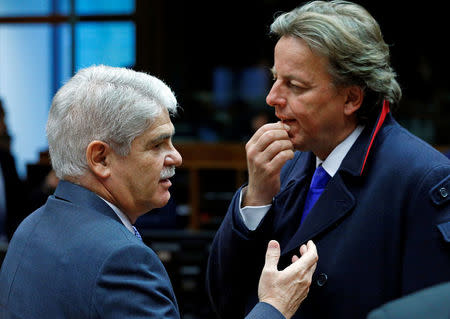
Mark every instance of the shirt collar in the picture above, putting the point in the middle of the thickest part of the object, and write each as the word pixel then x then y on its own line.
pixel 334 160
pixel 121 215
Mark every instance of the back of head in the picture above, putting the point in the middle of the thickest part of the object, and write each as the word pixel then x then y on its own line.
pixel 114 105
pixel 352 41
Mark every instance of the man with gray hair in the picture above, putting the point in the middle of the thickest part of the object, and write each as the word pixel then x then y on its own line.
pixel 337 169
pixel 79 255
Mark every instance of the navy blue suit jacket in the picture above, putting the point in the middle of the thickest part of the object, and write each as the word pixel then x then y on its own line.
pixel 382 229
pixel 73 258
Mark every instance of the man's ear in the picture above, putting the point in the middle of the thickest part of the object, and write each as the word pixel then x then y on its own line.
pixel 98 156
pixel 355 96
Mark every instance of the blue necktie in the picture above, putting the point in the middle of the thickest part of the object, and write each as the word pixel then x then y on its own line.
pixel 136 233
pixel 318 183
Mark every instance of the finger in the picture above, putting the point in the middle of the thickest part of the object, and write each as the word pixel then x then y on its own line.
pixel 267 127
pixel 310 256
pixel 281 158
pixel 272 255
pixel 310 244
pixel 277 146
pixel 308 259
pixel 270 137
pixel 303 249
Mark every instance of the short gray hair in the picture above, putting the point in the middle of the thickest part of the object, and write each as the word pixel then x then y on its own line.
pixel 114 105
pixel 352 41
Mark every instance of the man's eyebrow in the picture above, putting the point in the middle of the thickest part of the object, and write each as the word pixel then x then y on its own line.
pixel 291 77
pixel 162 137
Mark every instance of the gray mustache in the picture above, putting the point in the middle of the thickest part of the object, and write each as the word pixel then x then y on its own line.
pixel 167 172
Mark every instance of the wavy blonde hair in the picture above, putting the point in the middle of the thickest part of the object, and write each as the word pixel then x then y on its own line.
pixel 351 39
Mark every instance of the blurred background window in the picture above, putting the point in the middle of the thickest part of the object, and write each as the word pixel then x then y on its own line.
pixel 42 43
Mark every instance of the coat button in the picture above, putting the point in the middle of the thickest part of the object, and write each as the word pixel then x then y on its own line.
pixel 444 192
pixel 321 279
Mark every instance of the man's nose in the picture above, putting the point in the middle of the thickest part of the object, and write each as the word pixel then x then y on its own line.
pixel 275 96
pixel 174 157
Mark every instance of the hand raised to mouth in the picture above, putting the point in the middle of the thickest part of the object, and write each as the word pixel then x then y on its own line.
pixel 267 151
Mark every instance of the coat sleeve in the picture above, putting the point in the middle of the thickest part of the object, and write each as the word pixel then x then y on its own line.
pixel 133 283
pixel 426 259
pixel 235 264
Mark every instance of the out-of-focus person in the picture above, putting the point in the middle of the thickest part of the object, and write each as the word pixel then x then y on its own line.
pixel 12 191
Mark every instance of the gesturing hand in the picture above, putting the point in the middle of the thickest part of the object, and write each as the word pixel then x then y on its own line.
pixel 267 151
pixel 286 289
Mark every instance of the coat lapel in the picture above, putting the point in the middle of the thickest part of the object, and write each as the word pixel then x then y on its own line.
pixel 337 200
pixel 289 202
pixel 334 204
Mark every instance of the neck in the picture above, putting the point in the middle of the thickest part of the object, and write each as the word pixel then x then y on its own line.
pixel 91 182
pixel 323 153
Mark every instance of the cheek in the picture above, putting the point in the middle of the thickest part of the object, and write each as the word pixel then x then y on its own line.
pixel 304 115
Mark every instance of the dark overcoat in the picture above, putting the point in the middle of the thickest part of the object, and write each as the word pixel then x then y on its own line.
pixel 382 229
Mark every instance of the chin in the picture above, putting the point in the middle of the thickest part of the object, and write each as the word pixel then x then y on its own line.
pixel 299 147
pixel 162 201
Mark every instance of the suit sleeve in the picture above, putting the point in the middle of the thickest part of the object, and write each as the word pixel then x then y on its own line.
pixel 134 284
pixel 234 266
pixel 426 259
pixel 264 310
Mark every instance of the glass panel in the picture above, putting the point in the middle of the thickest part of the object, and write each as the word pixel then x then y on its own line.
pixel 25 7
pixel 26 61
pixel 62 6
pixel 63 69
pixel 109 43
pixel 89 7
pixel 82 7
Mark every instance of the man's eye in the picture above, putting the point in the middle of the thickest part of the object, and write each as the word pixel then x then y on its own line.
pixel 296 86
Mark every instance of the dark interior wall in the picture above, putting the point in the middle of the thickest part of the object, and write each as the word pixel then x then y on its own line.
pixel 185 40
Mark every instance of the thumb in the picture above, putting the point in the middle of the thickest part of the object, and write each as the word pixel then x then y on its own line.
pixel 272 255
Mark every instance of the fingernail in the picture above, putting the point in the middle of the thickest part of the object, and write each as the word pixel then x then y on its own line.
pixel 273 244
pixel 287 127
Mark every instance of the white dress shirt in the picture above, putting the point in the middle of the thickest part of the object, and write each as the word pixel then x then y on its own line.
pixel 121 215
pixel 252 215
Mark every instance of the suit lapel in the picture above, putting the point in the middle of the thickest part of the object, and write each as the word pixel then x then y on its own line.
pixel 334 204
